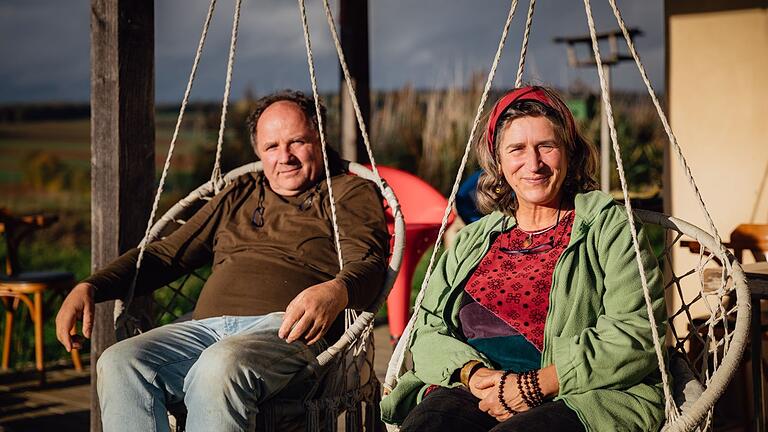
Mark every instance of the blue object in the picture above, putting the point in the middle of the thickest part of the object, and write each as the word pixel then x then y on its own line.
pixel 466 199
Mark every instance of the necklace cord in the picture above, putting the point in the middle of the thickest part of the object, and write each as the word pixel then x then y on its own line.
pixel 542 231
pixel 527 243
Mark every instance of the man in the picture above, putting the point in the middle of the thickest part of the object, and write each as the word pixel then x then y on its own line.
pixel 274 294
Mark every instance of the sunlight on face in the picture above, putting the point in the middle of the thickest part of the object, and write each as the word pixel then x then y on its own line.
pixel 533 162
pixel 289 148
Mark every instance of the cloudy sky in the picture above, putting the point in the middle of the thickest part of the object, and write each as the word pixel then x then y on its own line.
pixel 44 45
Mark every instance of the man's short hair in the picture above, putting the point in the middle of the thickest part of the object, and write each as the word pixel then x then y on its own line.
pixel 304 102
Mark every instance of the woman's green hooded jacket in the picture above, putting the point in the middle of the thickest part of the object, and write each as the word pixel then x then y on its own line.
pixel 597 333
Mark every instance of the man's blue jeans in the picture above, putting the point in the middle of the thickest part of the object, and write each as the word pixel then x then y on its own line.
pixel 222 368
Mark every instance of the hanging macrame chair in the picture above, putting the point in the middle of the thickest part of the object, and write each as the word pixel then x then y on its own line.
pixel 348 383
pixel 703 353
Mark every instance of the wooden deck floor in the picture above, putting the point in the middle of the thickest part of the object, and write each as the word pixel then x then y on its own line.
pixel 63 403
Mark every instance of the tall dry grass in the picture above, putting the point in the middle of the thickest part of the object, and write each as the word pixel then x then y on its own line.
pixel 425 132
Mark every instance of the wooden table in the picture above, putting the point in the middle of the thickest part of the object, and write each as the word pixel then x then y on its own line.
pixel 757 279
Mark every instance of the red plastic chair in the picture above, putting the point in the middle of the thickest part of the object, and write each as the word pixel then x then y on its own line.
pixel 423 208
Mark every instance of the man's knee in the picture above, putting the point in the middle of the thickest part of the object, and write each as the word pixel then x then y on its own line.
pixel 220 367
pixel 119 370
pixel 116 358
pixel 122 361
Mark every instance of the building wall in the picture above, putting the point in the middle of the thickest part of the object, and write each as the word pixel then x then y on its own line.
pixel 718 106
pixel 717 84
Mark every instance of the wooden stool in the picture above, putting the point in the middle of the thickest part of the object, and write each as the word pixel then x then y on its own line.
pixel 18 287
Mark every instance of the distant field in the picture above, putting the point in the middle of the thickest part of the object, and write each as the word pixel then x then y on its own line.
pixel 20 143
pixel 68 141
pixel 78 131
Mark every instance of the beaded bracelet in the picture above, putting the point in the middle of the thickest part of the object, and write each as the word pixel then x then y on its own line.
pixel 523 393
pixel 538 394
pixel 529 388
pixel 502 401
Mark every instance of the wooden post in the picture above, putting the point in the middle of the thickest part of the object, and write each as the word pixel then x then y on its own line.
pixel 353 20
pixel 122 144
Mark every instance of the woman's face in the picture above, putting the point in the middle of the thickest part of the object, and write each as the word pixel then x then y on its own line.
pixel 533 162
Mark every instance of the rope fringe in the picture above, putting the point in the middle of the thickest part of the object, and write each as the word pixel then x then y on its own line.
pixel 268 412
pixel 372 414
pixel 352 417
pixel 313 416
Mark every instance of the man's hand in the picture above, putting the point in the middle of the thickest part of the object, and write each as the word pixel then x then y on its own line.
pixel 310 314
pixel 78 305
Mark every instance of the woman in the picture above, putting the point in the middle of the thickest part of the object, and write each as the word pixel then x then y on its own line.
pixel 535 319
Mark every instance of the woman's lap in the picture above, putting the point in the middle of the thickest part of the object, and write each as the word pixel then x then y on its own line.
pixel 455 409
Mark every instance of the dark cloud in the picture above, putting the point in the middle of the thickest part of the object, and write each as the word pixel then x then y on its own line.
pixel 44 50
pixel 427 43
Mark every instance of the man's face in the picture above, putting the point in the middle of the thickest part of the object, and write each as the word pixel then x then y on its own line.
pixel 289 148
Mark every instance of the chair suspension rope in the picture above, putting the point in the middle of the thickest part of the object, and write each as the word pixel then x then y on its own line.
pixel 313 79
pixel 524 48
pixel 350 314
pixel 216 172
pixel 121 306
pixel 352 91
pixel 671 410
pixel 665 122
pixel 398 356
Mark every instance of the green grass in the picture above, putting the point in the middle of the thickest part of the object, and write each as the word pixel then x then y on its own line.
pixel 53 202
pixel 78 130
pixel 25 145
pixel 10 176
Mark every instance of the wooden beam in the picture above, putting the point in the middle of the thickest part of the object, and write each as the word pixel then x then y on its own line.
pixel 353 20
pixel 122 144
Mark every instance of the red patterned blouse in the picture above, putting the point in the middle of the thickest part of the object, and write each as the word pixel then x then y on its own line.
pixel 514 278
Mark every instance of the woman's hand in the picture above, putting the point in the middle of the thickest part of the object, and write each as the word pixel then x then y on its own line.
pixel 484 384
pixel 482 375
pixel 490 403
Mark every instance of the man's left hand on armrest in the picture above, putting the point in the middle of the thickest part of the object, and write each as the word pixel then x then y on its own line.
pixel 310 314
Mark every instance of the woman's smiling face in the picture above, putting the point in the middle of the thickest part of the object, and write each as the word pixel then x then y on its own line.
pixel 533 161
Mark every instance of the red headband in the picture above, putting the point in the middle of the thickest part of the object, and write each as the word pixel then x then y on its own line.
pixel 525 94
